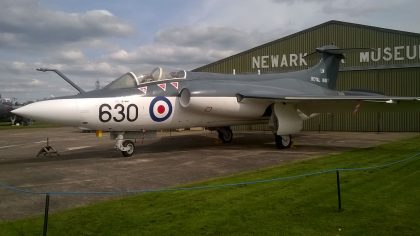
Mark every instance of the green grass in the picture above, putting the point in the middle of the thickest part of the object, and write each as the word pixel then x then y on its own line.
pixel 36 124
pixel 376 202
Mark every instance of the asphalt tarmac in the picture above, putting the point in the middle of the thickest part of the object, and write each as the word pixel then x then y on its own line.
pixel 88 163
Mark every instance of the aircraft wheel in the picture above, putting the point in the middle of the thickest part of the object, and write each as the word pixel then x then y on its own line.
pixel 130 145
pixel 225 134
pixel 283 141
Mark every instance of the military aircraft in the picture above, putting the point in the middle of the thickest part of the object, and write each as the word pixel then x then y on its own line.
pixel 181 99
pixel 5 113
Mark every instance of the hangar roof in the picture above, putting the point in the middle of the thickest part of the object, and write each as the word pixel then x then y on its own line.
pixel 328 23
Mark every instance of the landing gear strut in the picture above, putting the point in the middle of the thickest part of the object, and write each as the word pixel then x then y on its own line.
pixel 125 146
pixel 225 134
pixel 283 141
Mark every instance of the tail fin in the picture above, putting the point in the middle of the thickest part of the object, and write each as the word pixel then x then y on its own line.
pixel 325 72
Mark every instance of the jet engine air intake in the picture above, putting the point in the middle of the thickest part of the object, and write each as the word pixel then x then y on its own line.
pixel 185 97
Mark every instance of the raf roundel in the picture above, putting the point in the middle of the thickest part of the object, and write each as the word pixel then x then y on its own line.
pixel 160 109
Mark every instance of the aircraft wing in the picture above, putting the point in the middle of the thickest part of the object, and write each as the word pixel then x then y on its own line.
pixel 341 103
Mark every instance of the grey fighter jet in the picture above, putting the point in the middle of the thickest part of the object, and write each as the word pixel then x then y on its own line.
pixel 182 99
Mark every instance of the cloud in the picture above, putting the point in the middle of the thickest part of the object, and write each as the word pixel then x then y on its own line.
pixel 156 55
pixel 190 46
pixel 352 8
pixel 26 23
pixel 69 56
pixel 36 82
pixel 33 35
pixel 21 78
pixel 208 37
pixel 7 38
pixel 169 55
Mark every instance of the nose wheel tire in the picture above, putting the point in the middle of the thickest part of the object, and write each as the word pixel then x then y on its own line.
pixel 129 145
pixel 283 141
pixel 225 134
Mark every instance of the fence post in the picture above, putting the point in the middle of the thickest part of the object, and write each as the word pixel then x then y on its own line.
pixel 47 206
pixel 338 190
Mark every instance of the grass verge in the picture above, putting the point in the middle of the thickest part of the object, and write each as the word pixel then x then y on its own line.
pixel 376 202
pixel 8 126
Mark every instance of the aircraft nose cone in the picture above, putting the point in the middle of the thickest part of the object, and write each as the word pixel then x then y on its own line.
pixel 61 111
pixel 25 111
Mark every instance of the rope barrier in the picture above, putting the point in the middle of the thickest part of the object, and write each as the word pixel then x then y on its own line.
pixel 27 191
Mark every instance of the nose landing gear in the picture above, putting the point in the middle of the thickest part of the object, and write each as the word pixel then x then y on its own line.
pixel 126 147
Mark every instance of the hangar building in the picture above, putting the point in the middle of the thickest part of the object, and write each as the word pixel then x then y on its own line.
pixel 393 68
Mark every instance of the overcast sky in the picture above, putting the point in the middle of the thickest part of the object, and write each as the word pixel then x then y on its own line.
pixel 100 40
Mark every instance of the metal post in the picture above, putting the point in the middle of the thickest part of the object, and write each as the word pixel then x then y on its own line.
pixel 47 206
pixel 338 190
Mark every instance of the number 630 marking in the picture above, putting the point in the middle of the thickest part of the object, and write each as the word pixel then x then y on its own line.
pixel 105 114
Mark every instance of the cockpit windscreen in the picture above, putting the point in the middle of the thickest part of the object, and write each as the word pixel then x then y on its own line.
pixel 131 80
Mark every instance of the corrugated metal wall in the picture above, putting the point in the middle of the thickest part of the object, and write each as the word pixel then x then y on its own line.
pixel 392 77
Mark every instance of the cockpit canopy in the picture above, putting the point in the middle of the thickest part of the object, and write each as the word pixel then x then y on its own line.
pixel 130 80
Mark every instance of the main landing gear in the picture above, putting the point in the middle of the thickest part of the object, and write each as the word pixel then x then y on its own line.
pixel 283 141
pixel 225 134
